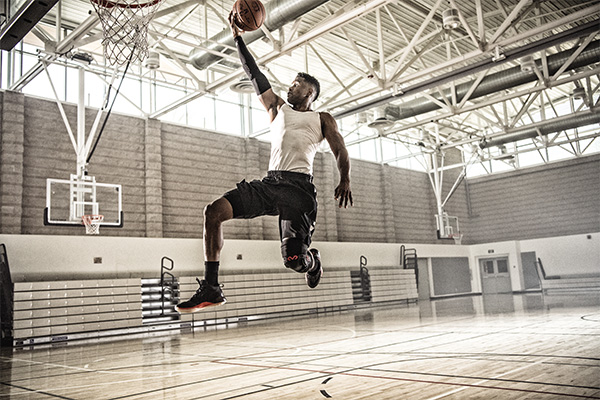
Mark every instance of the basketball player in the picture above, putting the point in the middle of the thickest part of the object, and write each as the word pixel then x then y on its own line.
pixel 287 190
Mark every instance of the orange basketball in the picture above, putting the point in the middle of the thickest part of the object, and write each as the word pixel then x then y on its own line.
pixel 250 14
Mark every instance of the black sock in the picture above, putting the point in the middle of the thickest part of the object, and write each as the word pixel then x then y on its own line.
pixel 211 272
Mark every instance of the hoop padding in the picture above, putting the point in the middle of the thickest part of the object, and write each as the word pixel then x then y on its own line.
pixel 125 27
pixel 92 223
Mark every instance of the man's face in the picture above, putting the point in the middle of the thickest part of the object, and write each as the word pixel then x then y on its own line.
pixel 298 91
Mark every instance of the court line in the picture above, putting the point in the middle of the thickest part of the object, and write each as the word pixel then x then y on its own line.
pixel 497 378
pixel 465 385
pixel 267 368
pixel 587 317
pixel 277 350
pixel 503 355
pixel 81 370
pixel 478 384
pixel 86 369
pixel 375 347
pixel 29 391
pixel 371 333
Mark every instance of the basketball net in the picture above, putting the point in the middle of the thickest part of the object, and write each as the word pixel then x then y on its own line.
pixel 125 28
pixel 92 223
pixel 457 238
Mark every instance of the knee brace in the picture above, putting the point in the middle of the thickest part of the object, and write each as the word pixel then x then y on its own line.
pixel 299 263
pixel 295 255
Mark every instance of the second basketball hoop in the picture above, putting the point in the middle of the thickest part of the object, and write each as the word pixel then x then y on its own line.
pixel 125 28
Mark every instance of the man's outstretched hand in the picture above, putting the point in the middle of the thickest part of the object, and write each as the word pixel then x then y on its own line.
pixel 234 28
pixel 344 194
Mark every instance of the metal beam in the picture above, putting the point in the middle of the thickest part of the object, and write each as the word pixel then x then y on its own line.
pixel 415 38
pixel 427 72
pixel 330 24
pixel 492 101
pixel 508 21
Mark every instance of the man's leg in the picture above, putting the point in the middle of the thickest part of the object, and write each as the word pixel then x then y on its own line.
pixel 209 292
pixel 295 231
pixel 215 214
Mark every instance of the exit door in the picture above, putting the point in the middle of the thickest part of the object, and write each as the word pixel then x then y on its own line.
pixel 495 275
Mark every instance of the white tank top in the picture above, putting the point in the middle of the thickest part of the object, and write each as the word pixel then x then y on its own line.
pixel 295 138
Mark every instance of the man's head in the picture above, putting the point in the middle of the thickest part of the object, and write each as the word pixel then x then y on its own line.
pixel 303 87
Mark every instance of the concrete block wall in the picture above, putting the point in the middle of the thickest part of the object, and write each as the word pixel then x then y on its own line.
pixel 553 200
pixel 197 168
pixel 120 158
pixel 170 172
pixel 154 194
pixel 12 148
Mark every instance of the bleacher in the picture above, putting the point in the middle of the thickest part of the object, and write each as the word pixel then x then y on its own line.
pixel 567 282
pixel 59 311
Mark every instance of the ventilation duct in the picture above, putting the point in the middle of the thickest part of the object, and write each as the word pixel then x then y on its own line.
pixel 544 129
pixel 497 82
pixel 278 13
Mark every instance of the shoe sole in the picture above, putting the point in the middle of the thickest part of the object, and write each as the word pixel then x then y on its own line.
pixel 320 276
pixel 199 307
pixel 316 284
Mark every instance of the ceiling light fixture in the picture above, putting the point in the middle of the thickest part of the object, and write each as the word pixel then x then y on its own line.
pixel 380 122
pixel 450 19
pixel 242 86
pixel 578 93
pixel 527 63
pixel 153 60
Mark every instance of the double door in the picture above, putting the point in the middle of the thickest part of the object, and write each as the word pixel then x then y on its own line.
pixel 495 275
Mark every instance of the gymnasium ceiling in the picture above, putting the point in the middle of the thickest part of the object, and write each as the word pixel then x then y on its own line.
pixel 389 69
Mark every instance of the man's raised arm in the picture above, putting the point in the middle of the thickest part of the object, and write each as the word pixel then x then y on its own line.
pixel 261 84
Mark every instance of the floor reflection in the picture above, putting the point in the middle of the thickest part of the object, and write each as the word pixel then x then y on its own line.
pixel 507 303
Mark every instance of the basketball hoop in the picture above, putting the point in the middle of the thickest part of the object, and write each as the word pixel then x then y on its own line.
pixel 125 27
pixel 92 223
pixel 457 237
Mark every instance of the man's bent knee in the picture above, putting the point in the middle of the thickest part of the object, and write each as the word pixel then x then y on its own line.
pixel 218 211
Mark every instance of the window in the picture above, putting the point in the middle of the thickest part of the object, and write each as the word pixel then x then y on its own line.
pixel 489 267
pixel 502 266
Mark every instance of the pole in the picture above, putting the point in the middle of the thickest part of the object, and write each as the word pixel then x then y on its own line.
pixel 81 156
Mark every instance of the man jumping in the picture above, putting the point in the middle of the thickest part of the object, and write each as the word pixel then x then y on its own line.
pixel 287 190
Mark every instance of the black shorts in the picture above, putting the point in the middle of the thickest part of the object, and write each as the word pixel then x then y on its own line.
pixel 291 195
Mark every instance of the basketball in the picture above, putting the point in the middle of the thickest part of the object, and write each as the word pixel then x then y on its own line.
pixel 250 14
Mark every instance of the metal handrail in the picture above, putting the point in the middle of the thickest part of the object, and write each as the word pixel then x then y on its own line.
pixel 164 272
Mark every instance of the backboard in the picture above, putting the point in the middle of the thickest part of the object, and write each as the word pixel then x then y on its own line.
pixel 447 226
pixel 68 200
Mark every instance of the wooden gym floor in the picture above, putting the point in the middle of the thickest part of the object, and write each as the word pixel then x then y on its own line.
pixel 483 347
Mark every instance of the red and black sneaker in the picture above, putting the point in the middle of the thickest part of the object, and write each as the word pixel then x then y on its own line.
pixel 313 277
pixel 206 296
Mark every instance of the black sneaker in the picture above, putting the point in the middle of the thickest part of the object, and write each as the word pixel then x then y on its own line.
pixel 313 278
pixel 206 296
